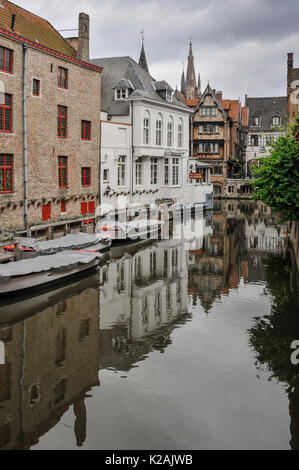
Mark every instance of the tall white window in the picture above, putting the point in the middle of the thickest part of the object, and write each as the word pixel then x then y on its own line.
pixel 121 171
pixel 180 135
pixel 146 126
pixel 175 171
pixel 256 121
pixel 276 121
pixel 159 132
pixel 154 171
pixel 166 171
pixel 170 133
pixel 139 172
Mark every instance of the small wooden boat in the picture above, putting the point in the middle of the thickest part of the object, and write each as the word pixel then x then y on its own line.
pixel 28 275
pixel 30 247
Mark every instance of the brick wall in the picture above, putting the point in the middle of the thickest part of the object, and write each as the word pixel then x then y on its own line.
pixel 83 100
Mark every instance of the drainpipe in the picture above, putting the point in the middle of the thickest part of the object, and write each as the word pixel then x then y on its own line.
pixel 25 50
pixel 132 152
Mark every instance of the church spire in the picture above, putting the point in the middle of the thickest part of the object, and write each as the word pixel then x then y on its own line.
pixel 142 60
pixel 190 80
pixel 183 84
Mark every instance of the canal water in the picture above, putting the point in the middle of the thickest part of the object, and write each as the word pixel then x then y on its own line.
pixel 174 344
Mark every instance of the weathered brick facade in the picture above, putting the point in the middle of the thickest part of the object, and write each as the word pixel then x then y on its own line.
pixel 83 101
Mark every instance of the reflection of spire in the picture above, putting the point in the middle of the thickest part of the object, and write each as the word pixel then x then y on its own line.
pixel 142 60
pixel 80 423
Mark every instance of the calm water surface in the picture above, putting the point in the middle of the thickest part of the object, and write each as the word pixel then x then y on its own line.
pixel 173 345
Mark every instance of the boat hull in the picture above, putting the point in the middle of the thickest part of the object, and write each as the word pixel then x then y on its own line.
pixel 19 285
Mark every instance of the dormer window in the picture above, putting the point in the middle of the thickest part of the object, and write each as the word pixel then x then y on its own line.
pixel 168 96
pixel 121 94
pixel 256 121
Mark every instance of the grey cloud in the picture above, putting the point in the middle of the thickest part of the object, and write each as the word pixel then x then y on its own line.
pixel 240 46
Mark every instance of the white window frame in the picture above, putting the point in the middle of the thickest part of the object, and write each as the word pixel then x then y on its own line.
pixel 121 94
pixel 138 172
pixel 274 124
pixel 146 129
pixel 175 172
pixel 154 171
pixel 180 134
pixel 159 132
pixel 169 134
pixel 122 171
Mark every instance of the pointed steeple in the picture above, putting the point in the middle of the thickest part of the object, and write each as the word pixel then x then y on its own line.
pixel 142 60
pixel 190 79
pixel 183 85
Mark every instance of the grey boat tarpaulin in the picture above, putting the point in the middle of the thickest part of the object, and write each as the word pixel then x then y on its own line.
pixel 76 241
pixel 58 262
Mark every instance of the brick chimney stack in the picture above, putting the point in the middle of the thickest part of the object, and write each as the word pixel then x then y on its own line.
pixel 290 70
pixel 83 39
pixel 219 95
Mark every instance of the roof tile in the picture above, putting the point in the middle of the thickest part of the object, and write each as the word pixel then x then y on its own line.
pixel 34 28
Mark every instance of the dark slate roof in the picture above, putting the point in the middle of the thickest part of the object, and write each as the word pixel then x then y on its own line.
pixel 142 60
pixel 266 109
pixel 124 84
pixel 118 68
pixel 162 86
pixel 295 74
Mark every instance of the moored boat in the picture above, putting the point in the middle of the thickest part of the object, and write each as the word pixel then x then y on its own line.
pixel 30 247
pixel 28 275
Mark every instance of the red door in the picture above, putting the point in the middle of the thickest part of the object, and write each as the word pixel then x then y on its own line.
pixel 88 208
pixel 46 212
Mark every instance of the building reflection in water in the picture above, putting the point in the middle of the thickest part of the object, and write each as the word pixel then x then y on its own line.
pixel 52 361
pixel 59 340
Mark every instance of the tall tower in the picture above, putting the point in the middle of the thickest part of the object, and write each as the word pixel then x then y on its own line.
pixel 192 90
pixel 142 60
pixel 183 85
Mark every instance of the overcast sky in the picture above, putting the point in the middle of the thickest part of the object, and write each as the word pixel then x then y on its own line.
pixel 240 46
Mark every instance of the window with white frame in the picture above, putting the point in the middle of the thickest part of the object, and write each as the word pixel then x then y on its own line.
pixel 256 121
pixel 166 171
pixel 138 172
pixel 146 125
pixel 276 121
pixel 208 147
pixel 208 111
pixel 154 171
pixel 168 95
pixel 159 132
pixel 175 171
pixel 180 134
pixel 208 129
pixel 120 94
pixel 121 171
pixel 106 176
pixel 170 133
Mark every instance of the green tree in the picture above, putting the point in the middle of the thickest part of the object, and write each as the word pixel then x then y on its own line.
pixel 276 180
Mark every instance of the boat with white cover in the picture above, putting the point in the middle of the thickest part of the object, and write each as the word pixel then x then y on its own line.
pixel 30 247
pixel 31 274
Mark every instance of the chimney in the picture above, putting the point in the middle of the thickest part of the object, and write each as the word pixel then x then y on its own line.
pixel 290 70
pixel 246 98
pixel 83 39
pixel 219 95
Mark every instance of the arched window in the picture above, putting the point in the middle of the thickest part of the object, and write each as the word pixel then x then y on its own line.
pixel 170 132
pixel 159 127
pixel 180 133
pixel 146 128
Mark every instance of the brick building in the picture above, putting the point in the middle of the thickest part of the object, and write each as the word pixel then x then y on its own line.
pixel 218 134
pixel 49 124
pixel 292 88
